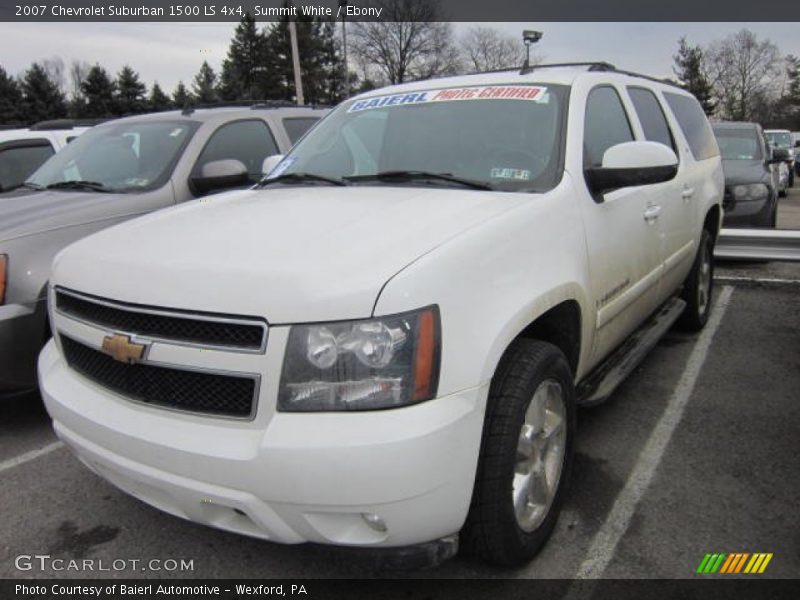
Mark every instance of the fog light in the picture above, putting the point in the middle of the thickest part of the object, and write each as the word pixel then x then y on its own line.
pixel 374 521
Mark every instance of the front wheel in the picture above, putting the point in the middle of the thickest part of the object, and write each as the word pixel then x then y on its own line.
pixel 698 287
pixel 526 455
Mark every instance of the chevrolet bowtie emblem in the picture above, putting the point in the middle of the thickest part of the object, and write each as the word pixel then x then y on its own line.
pixel 121 348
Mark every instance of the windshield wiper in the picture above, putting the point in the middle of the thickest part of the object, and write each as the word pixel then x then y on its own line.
pixel 28 184
pixel 301 177
pixel 95 186
pixel 421 176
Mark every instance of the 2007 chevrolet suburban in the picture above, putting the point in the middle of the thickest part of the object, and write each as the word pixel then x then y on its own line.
pixel 384 343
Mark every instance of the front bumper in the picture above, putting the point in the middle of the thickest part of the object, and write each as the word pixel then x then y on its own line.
pixel 294 478
pixel 22 334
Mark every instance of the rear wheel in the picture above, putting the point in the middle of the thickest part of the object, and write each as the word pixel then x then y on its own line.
pixel 698 287
pixel 526 455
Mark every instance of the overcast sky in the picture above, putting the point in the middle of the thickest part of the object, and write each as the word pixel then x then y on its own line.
pixel 169 52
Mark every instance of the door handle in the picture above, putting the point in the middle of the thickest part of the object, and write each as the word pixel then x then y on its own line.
pixel 652 213
pixel 687 193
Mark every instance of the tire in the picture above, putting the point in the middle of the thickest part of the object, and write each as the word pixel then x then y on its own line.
pixel 532 373
pixel 699 287
pixel 782 193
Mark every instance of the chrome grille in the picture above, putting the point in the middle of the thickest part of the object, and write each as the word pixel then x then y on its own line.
pixel 174 326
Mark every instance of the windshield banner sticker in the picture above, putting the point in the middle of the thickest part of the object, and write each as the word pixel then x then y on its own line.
pixel 486 92
pixel 281 167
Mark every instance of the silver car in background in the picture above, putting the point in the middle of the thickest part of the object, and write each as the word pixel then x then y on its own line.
pixel 112 173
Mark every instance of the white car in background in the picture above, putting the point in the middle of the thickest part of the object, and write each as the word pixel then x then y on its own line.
pixel 782 138
pixel 22 151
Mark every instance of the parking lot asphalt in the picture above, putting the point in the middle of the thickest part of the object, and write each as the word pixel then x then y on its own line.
pixel 696 452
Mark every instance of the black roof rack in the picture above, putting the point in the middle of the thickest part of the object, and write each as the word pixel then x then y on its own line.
pixel 57 124
pixel 596 66
pixel 189 108
pixel 592 66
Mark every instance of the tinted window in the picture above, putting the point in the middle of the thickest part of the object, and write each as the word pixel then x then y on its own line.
pixel 249 142
pixel 694 124
pixel 295 128
pixel 738 143
pixel 651 116
pixel 606 125
pixel 18 163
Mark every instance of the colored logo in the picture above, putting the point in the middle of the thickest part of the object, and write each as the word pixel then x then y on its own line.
pixel 123 349
pixel 736 562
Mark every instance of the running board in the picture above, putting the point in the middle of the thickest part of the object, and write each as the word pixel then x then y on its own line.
pixel 604 379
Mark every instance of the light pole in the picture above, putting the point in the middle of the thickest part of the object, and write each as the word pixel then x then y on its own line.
pixel 530 37
pixel 343 4
pixel 298 79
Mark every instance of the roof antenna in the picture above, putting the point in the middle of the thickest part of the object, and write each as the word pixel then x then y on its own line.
pixel 529 37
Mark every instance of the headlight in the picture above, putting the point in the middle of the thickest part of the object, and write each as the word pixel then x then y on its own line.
pixel 384 362
pixel 753 191
pixel 3 277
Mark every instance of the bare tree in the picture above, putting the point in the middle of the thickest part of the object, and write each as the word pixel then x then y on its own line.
pixel 487 49
pixel 54 68
pixel 744 71
pixel 78 70
pixel 411 43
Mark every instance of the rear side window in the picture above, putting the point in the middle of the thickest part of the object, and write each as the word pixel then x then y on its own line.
pixel 651 116
pixel 694 124
pixel 295 128
pixel 17 163
pixel 606 125
pixel 249 142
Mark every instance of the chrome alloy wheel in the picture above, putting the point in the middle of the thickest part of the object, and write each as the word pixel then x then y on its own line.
pixel 704 281
pixel 540 455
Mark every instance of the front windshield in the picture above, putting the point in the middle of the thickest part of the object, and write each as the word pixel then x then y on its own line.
pixel 506 137
pixel 780 139
pixel 738 144
pixel 120 157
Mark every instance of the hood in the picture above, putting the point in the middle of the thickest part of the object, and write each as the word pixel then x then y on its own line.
pixel 26 212
pixel 290 255
pixel 745 171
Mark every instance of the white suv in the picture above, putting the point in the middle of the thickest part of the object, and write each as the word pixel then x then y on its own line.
pixel 22 151
pixel 383 344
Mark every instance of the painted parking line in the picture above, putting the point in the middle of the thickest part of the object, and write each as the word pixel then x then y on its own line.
pixel 760 280
pixel 29 456
pixel 605 541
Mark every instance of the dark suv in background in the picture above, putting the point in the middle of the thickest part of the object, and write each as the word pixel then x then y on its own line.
pixel 751 176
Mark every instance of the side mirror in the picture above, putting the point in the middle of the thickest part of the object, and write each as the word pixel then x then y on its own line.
pixel 779 155
pixel 270 163
pixel 632 164
pixel 219 175
pixel 797 144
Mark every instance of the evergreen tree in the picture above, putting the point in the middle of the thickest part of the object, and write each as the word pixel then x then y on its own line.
pixel 10 100
pixel 131 92
pixel 99 91
pixel 205 85
pixel 158 100
pixel 321 65
pixel 181 97
pixel 42 99
pixel 690 72
pixel 247 65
